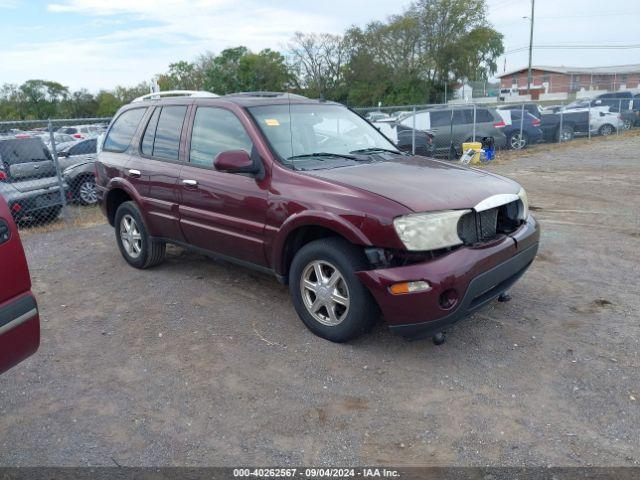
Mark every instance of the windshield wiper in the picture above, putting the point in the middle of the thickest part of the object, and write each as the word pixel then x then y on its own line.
pixel 376 150
pixel 322 154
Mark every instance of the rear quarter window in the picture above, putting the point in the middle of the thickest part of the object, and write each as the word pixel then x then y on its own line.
pixel 123 130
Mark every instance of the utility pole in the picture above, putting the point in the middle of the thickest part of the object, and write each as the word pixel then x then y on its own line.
pixel 533 5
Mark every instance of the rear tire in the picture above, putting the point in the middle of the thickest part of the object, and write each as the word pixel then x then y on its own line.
pixel 323 271
pixel 516 143
pixel 566 134
pixel 134 242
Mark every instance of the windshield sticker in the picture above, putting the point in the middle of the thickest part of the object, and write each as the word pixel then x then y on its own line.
pixel 272 122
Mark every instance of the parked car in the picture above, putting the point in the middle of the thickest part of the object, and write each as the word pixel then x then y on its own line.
pixel 377 116
pixel 532 108
pixel 19 319
pixel 404 138
pixel 80 131
pixel 28 180
pixel 82 183
pixel 77 162
pixel 602 120
pixel 563 125
pixel 308 191
pixel 521 130
pixel 624 108
pixel 453 126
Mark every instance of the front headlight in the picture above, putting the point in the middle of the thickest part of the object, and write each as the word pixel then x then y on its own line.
pixel 524 212
pixel 429 231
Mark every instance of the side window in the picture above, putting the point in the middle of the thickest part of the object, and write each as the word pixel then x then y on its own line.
pixel 462 117
pixel 483 116
pixel 123 129
pixel 83 148
pixel 441 118
pixel 216 130
pixel 167 139
pixel 150 133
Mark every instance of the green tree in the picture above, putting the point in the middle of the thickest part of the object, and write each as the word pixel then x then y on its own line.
pixel 264 71
pixel 42 97
pixel 108 104
pixel 126 94
pixel 318 61
pixel 80 103
pixel 223 75
pixel 182 75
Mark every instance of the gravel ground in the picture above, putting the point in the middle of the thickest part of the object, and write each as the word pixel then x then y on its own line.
pixel 199 362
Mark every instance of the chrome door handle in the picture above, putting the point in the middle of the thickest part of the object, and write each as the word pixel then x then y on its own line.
pixel 191 183
pixel 134 173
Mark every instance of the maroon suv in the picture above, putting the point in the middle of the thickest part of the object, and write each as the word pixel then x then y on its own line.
pixel 310 192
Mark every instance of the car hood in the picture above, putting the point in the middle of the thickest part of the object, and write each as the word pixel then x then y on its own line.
pixel 421 184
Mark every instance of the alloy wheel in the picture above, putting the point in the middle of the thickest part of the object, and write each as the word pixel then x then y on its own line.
pixel 87 192
pixel 606 130
pixel 130 236
pixel 325 293
pixel 517 142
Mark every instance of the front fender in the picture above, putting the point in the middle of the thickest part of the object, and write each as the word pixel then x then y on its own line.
pixel 347 228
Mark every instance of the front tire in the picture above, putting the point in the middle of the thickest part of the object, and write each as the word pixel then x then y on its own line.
pixel 86 191
pixel 327 295
pixel 606 130
pixel 517 143
pixel 134 242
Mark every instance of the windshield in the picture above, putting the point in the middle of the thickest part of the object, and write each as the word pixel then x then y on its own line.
pixel 311 132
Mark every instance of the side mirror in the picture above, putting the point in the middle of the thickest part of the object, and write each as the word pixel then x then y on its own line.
pixel 235 161
pixel 602 114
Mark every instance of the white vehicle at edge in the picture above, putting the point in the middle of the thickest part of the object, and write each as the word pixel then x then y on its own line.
pixel 602 121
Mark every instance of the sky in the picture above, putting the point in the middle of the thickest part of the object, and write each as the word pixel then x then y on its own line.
pixel 102 43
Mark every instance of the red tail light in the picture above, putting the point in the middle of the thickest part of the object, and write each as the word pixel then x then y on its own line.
pixel 500 124
pixel 77 135
pixel 16 207
pixel 535 122
pixel 3 175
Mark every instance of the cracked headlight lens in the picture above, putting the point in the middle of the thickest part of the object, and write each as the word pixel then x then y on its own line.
pixel 429 231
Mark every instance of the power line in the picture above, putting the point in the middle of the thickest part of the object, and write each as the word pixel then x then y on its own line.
pixel 575 47
pixel 620 14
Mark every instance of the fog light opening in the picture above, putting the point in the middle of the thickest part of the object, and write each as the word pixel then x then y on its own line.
pixel 448 298
pixel 409 287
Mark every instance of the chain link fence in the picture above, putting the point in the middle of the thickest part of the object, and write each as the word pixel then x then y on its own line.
pixel 440 130
pixel 46 168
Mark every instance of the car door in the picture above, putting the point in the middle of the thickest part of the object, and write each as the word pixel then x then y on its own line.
pixel 155 170
pixel 219 211
pixel 19 321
